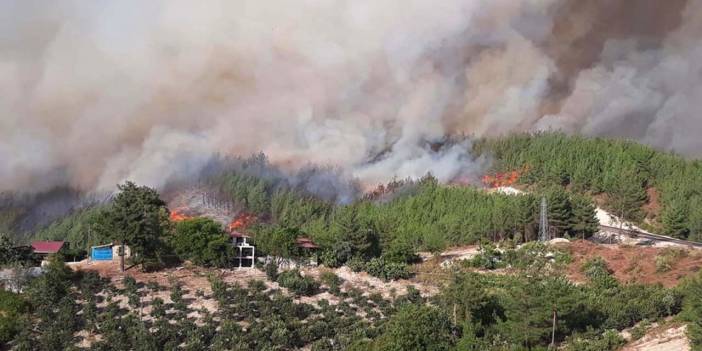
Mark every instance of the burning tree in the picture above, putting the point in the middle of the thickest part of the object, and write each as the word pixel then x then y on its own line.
pixel 504 179
pixel 178 215
pixel 242 221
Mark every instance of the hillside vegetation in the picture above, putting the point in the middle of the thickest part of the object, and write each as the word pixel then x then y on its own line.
pixel 81 310
pixel 422 214
pixel 623 171
pixel 514 310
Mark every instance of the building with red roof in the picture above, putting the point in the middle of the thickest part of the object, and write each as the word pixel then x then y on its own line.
pixel 309 248
pixel 306 243
pixel 47 247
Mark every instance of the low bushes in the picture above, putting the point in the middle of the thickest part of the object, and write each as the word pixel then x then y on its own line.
pixel 379 267
pixel 202 241
pixel 271 269
pixel 11 307
pixel 610 340
pixel 356 264
pixel 667 258
pixel 298 284
pixel 332 281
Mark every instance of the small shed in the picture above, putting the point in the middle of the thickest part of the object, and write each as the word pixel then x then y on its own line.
pixel 309 248
pixel 101 253
pixel 306 243
pixel 108 252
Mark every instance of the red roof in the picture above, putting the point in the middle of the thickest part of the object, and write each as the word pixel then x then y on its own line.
pixel 47 247
pixel 306 243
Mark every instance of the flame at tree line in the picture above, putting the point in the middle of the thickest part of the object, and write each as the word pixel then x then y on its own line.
pixel 245 219
pixel 504 179
pixel 242 221
pixel 178 215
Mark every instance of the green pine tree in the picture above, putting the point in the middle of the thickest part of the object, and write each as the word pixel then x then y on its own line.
pixel 348 226
pixel 138 218
pixel 584 223
pixel 559 211
pixel 257 199
pixel 675 220
pixel 627 196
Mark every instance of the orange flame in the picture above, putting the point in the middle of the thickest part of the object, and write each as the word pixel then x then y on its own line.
pixel 504 179
pixel 242 221
pixel 178 215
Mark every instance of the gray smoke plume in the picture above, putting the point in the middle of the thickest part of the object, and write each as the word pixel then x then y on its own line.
pixel 94 93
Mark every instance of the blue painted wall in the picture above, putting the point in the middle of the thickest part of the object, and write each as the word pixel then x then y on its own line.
pixel 101 254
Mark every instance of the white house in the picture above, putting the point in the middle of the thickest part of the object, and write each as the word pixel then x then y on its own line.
pixel 245 252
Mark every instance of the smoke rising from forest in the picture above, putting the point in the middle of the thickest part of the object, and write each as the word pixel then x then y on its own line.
pixel 94 93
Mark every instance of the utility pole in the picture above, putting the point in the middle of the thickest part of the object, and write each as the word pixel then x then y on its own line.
pixel 543 221
pixel 121 256
pixel 553 329
pixel 455 316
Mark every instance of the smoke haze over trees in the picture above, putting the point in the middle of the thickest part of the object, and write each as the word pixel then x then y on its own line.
pixel 98 93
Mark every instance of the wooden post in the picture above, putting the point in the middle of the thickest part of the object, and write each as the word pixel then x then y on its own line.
pixel 553 329
pixel 121 256
pixel 454 313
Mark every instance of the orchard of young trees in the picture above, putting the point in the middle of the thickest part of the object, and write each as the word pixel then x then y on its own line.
pixel 67 310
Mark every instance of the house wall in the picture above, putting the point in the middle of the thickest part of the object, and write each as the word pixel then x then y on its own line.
pixel 115 251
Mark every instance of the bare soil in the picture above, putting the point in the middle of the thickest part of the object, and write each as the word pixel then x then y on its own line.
pixel 668 337
pixel 192 277
pixel 633 264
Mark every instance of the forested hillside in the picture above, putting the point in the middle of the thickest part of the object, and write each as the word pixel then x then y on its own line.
pixel 622 171
pixel 420 214
pixel 378 234
pixel 569 170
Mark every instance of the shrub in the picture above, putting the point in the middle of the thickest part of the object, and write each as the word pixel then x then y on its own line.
pixel 271 269
pixel 356 264
pixel 610 340
pixel 202 241
pixel 298 284
pixel 377 267
pixel 639 330
pixel 488 258
pixel 257 285
pixel 667 258
pixel 339 254
pixel 630 304
pixel 417 328
pixel 400 251
pixel 332 281
pixel 394 271
pixel 663 263
pixel 219 288
pixel 11 307
pixel 599 273
pixel 692 310
pixel 329 259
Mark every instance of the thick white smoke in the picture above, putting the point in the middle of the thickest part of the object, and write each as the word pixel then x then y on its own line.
pixel 93 93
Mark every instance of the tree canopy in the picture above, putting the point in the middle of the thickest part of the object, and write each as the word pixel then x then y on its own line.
pixel 138 217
